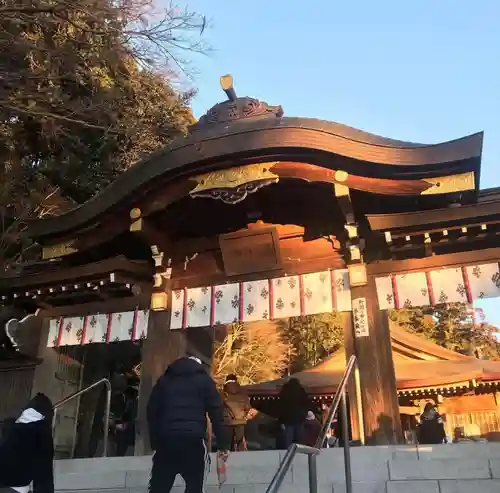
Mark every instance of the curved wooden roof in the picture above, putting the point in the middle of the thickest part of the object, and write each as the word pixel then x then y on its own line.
pixel 418 364
pixel 327 144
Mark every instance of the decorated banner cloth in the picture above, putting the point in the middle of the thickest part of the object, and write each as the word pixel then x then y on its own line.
pixel 102 327
pixel 267 299
pixel 440 286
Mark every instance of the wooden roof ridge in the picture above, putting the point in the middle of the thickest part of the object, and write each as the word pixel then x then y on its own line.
pixel 447 215
pixel 420 348
pixel 279 139
pixel 410 346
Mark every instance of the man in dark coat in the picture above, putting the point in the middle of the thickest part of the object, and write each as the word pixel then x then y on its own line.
pixel 236 409
pixel 293 408
pixel 177 411
pixel 27 450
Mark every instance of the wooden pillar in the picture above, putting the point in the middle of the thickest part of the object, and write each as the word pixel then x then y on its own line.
pixel 372 343
pixel 350 350
pixel 161 347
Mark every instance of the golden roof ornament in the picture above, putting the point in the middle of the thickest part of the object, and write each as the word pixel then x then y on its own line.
pixel 236 109
pixel 234 184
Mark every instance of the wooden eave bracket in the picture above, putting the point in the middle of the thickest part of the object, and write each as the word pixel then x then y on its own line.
pixel 142 226
pixel 102 289
pixel 354 245
pixel 344 198
pixel 401 240
pixel 163 269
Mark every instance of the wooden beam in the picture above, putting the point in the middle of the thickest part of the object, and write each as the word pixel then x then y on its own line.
pixel 385 267
pixel 113 305
pixel 66 274
pixel 426 219
pixel 317 174
pixel 469 240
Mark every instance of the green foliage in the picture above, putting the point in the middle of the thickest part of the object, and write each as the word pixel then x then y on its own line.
pixel 88 88
pixel 451 326
pixel 313 337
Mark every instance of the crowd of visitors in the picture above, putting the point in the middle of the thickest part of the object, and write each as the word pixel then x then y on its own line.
pixel 183 409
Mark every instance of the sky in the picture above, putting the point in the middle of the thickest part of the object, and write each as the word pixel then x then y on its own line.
pixel 423 71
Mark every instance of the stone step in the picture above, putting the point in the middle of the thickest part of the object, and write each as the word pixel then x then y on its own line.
pixel 437 469
pixel 445 486
pixel 426 486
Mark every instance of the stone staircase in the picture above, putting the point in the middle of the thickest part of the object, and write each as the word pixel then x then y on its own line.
pixel 463 468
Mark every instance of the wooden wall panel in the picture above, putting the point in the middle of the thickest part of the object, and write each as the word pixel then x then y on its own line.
pixel 469 404
pixel 198 263
pixel 15 388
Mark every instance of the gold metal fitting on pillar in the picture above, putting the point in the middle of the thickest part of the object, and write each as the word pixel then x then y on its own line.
pixel 357 275
pixel 159 301
pixel 136 220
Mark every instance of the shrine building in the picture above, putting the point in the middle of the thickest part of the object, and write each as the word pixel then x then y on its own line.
pixel 252 216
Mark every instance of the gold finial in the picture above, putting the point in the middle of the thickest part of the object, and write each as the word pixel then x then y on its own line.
pixel 226 82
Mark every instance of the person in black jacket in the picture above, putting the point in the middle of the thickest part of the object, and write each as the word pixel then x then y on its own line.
pixel 236 409
pixel 125 427
pixel 293 409
pixel 27 450
pixel 431 428
pixel 177 410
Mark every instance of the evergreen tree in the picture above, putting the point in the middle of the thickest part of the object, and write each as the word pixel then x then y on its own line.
pixel 452 326
pixel 88 88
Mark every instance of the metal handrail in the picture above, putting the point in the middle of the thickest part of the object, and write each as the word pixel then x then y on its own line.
pixel 351 369
pixel 286 463
pixel 107 384
pixel 312 452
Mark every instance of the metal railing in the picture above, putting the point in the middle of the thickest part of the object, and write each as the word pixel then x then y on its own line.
pixel 286 463
pixel 339 399
pixel 107 384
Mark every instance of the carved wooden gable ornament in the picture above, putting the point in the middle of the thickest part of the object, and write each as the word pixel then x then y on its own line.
pixel 235 109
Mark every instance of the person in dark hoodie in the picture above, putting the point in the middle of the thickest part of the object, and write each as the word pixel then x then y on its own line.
pixel 27 450
pixel 125 427
pixel 236 409
pixel 293 408
pixel 431 428
pixel 177 410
